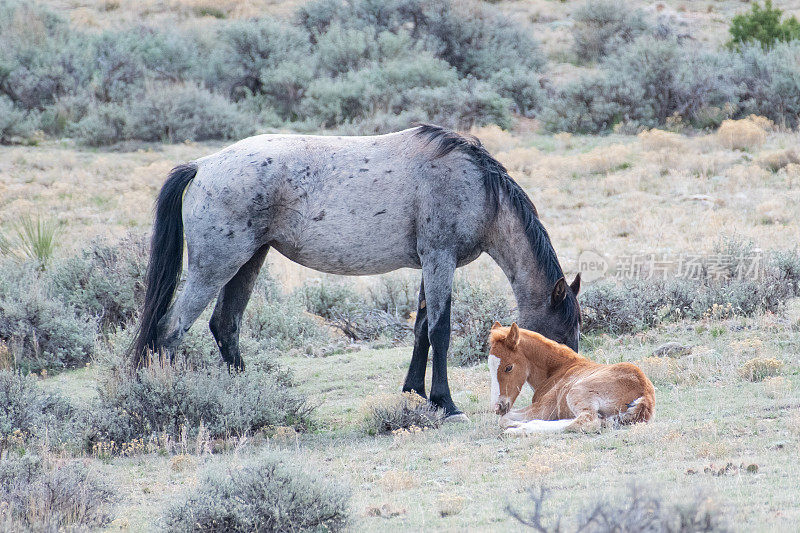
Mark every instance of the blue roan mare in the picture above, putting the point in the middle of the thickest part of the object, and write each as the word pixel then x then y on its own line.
pixel 424 198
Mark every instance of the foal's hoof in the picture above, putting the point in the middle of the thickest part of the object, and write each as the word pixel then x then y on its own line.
pixel 515 431
pixel 458 417
pixel 506 422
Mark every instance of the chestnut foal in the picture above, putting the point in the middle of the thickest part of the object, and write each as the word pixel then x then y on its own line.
pixel 571 393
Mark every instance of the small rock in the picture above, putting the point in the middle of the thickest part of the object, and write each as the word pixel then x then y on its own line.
pixel 386 510
pixel 752 468
pixel 672 349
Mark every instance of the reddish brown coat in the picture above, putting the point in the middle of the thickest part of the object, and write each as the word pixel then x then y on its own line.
pixel 569 387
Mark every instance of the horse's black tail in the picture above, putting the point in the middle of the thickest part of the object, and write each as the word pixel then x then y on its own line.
pixel 166 260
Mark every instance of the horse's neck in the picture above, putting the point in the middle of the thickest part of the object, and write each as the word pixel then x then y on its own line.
pixel 511 250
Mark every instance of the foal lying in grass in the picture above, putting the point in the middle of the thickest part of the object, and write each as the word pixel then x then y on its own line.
pixel 571 393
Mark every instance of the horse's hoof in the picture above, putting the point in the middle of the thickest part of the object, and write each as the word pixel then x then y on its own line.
pixel 515 431
pixel 458 417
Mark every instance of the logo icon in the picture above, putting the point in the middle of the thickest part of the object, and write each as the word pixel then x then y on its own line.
pixel 592 265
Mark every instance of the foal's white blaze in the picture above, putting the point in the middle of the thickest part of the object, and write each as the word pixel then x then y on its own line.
pixel 494 364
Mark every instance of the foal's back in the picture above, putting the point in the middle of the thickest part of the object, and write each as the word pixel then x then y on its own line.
pixel 588 392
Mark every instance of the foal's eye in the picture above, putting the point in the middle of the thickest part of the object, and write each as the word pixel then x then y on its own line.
pixel 509 367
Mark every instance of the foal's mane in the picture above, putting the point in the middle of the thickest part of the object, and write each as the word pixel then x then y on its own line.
pixel 496 179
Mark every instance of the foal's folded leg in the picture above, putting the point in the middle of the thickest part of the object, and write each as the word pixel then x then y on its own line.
pixel 587 422
pixel 516 417
pixel 539 426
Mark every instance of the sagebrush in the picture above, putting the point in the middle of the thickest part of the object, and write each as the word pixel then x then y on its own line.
pixel 263 494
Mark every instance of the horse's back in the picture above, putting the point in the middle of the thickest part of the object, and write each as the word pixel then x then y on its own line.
pixel 347 205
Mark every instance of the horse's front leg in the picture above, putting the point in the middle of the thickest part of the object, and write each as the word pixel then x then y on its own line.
pixel 415 379
pixel 438 268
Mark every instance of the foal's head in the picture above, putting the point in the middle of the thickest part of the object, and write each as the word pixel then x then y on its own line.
pixel 508 366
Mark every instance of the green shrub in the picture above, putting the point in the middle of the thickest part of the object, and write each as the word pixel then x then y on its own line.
pixel 632 305
pixel 522 87
pixel 769 83
pixel 468 103
pixel 28 413
pixel 322 296
pixel 475 308
pixel 41 332
pixel 389 86
pixel 396 294
pixel 601 26
pixel 654 79
pixel 281 324
pixel 249 50
pixel 168 399
pixel 582 106
pixel 42 58
pixel 367 66
pixel 763 25
pixel 14 122
pixel 51 497
pixel 476 39
pixel 381 313
pixel 102 124
pixel 264 494
pixel 408 411
pixel 645 83
pixel 173 113
pixel 104 280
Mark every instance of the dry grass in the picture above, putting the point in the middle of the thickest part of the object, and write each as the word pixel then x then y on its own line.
pixel 760 368
pixel 745 134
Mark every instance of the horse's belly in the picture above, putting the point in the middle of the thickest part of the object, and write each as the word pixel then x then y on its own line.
pixel 334 261
pixel 349 249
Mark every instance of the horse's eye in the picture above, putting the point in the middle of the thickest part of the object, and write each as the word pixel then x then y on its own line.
pixel 509 367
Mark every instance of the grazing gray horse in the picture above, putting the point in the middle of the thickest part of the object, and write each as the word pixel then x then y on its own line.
pixel 424 198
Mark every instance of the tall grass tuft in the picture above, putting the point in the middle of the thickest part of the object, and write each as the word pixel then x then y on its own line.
pixel 38 238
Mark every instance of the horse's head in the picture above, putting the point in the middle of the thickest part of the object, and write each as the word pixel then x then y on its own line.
pixel 559 318
pixel 508 367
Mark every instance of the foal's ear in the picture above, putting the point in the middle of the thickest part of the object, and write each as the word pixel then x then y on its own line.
pixel 497 325
pixel 559 292
pixel 576 284
pixel 512 339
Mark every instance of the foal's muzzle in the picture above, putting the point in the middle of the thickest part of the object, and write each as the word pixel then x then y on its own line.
pixel 502 406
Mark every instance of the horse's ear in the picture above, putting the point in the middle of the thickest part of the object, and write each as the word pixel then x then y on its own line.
pixel 576 284
pixel 497 325
pixel 512 339
pixel 559 292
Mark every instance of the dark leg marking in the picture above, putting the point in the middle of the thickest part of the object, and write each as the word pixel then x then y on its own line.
pixel 226 319
pixel 415 379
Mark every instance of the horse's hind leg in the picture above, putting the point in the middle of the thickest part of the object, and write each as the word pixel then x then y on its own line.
pixel 415 379
pixel 206 275
pixel 226 320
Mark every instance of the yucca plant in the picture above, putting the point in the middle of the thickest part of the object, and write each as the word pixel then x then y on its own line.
pixel 37 238
pixel 6 248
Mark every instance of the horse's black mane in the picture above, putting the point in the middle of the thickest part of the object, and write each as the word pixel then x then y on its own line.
pixel 495 179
